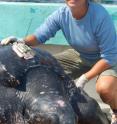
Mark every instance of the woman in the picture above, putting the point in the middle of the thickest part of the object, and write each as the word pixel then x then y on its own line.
pixel 89 29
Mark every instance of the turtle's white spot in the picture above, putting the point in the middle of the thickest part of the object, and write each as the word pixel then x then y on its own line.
pixel 42 92
pixel 61 103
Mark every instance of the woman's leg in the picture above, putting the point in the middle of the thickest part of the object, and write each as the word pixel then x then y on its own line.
pixel 106 86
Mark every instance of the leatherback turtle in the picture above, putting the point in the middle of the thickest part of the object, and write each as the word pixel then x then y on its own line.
pixel 37 91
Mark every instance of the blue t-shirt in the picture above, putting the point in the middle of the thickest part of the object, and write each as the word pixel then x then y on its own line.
pixel 93 36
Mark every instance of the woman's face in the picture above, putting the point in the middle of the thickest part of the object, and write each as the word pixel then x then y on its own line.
pixel 75 3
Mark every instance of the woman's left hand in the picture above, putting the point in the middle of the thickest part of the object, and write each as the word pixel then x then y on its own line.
pixel 81 81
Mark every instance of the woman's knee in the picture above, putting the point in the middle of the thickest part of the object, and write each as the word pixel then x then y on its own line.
pixel 105 87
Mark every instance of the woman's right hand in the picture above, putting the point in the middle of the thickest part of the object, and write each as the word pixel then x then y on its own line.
pixel 8 40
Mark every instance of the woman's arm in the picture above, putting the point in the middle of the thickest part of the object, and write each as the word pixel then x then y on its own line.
pixel 98 68
pixel 31 40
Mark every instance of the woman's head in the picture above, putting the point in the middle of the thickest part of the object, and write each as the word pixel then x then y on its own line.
pixel 75 3
pixel 78 8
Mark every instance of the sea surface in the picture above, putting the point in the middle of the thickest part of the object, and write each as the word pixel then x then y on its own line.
pixel 60 1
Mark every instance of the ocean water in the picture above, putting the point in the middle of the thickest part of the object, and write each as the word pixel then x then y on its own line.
pixel 39 1
pixel 21 19
pixel 60 1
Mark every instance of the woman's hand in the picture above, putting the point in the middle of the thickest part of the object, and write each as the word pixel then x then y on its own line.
pixel 9 40
pixel 81 81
